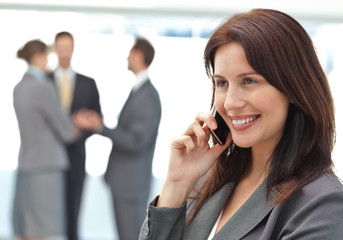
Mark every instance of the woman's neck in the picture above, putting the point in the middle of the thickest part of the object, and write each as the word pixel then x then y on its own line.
pixel 259 166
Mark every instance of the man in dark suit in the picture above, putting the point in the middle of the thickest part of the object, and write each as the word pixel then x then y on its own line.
pixel 129 167
pixel 76 92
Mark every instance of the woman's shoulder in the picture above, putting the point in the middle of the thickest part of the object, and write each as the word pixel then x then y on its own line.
pixel 325 184
pixel 41 90
pixel 317 209
pixel 27 83
pixel 327 190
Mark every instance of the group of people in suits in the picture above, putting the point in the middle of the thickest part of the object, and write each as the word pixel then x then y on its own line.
pixel 56 113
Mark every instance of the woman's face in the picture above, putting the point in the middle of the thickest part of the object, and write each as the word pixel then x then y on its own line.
pixel 254 110
pixel 40 60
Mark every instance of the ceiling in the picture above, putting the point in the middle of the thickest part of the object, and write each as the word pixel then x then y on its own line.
pixel 328 10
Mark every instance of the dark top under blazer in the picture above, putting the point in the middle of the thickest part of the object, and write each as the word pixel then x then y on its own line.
pixel 134 138
pixel 313 213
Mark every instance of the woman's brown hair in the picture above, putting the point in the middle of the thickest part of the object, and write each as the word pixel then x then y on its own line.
pixel 279 48
pixel 31 48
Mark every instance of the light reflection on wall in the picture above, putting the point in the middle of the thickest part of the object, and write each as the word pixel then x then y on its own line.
pixel 329 45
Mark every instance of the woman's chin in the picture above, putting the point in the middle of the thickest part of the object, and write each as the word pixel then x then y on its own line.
pixel 242 143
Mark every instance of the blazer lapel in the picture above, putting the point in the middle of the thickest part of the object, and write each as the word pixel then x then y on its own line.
pixel 253 211
pixel 202 224
pixel 77 91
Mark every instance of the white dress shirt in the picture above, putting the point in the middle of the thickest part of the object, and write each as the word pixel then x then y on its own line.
pixel 215 227
pixel 60 73
pixel 141 78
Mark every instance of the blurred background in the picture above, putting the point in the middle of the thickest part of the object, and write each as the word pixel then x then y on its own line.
pixel 104 31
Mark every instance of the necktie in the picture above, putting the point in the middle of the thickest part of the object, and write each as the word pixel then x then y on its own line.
pixel 65 90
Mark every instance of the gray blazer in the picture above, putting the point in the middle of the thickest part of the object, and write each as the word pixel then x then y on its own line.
pixel 44 127
pixel 129 166
pixel 313 213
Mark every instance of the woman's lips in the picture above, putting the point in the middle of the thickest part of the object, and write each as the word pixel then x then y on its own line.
pixel 240 123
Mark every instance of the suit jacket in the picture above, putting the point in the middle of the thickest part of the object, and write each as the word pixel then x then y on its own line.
pixel 44 126
pixel 129 166
pixel 313 213
pixel 85 95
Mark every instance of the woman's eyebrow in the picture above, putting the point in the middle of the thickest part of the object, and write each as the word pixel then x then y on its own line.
pixel 239 75
pixel 217 76
pixel 247 73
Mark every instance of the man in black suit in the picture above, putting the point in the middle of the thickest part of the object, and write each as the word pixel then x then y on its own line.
pixel 76 92
pixel 129 167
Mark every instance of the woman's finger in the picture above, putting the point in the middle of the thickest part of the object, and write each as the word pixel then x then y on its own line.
pixel 183 142
pixel 198 127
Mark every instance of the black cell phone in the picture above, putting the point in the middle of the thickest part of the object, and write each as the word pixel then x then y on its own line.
pixel 222 131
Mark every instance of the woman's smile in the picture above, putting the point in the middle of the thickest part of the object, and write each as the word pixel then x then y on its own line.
pixel 240 123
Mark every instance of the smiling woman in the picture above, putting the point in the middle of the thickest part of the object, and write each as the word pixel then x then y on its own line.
pixel 273 178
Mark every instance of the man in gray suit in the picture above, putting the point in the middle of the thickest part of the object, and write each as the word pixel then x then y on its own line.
pixel 129 168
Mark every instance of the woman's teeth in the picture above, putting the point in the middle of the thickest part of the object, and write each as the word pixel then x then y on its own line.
pixel 243 121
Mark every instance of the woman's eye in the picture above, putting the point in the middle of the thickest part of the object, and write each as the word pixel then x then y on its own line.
pixel 222 83
pixel 248 81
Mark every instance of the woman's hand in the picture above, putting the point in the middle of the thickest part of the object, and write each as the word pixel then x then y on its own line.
pixel 191 158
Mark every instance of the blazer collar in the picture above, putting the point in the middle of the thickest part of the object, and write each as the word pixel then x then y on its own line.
pixel 257 207
pixel 202 224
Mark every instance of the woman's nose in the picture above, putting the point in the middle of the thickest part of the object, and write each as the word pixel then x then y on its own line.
pixel 234 98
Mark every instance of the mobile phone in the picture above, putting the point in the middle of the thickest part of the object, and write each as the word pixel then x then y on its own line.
pixel 222 131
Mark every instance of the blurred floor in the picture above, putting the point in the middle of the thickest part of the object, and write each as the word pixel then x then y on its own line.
pixel 96 217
